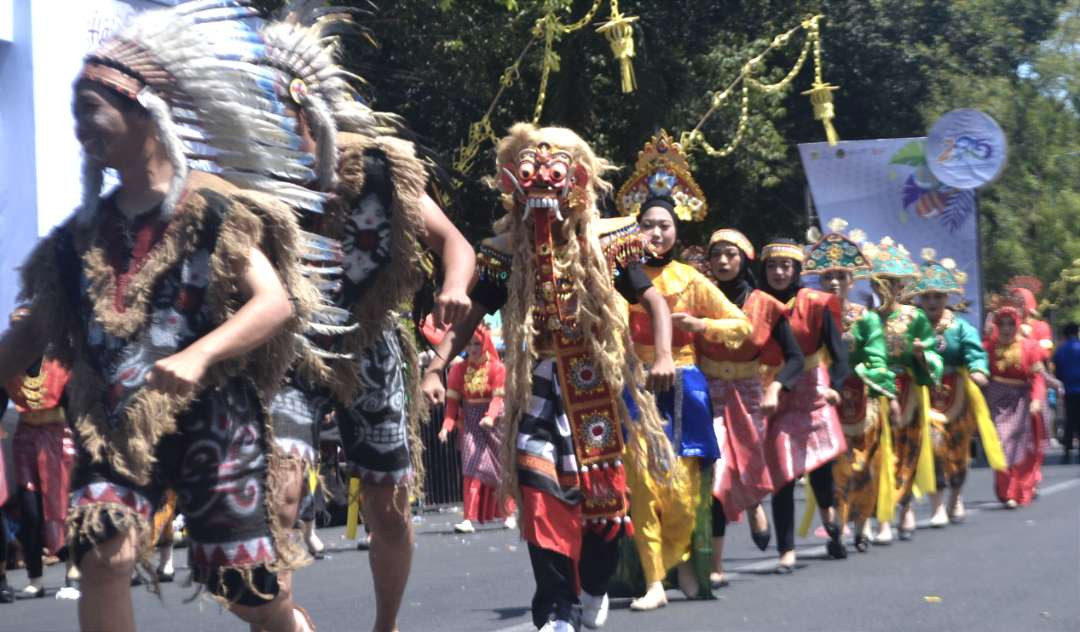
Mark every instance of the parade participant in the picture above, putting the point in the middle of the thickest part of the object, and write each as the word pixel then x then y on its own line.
pixel 367 254
pixel 957 405
pixel 1067 369
pixel 1015 396
pixel 804 435
pixel 174 300
pixel 741 400
pixel 1025 290
pixel 44 454
pixel 914 360
pixel 474 404
pixel 868 393
pixel 660 193
pixel 557 270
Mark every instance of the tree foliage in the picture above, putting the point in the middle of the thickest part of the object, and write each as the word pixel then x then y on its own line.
pixel 899 65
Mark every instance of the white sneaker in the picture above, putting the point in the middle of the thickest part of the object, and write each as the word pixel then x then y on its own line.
pixel 558 625
pixel 465 526
pixel 594 610
pixel 510 522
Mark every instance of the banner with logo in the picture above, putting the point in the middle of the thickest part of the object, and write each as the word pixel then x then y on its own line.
pixel 885 187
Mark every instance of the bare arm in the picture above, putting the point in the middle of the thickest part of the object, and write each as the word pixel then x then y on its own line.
pixel 257 321
pixel 662 372
pixel 458 259
pixel 451 345
pixel 20 345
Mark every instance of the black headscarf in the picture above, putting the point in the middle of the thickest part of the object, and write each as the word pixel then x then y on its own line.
pixel 738 289
pixel 667 203
pixel 788 293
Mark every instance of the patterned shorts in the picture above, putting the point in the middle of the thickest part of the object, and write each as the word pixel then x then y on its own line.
pixel 217 465
pixel 374 427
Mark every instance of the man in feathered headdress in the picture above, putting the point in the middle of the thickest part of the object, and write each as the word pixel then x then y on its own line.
pixel 558 271
pixel 170 300
pixel 365 250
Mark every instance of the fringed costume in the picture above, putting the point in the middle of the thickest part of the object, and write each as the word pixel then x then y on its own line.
pixel 362 250
pixel 667 517
pixel 804 434
pixel 556 270
pixel 117 294
pixel 474 392
pixel 1016 380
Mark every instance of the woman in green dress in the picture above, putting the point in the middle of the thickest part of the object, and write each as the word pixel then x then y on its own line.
pixel 914 360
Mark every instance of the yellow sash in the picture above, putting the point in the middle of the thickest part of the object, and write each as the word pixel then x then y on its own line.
pixel 886 500
pixel 925 482
pixel 977 408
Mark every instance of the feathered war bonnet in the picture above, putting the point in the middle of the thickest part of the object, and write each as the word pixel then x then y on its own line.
pixel 302 47
pixel 182 66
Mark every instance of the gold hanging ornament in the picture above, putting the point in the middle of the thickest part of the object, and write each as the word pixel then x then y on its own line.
pixel 820 93
pixel 619 32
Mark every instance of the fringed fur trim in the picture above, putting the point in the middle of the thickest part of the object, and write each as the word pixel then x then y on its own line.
pixel 290 553
pixel 180 239
pixel 89 524
pixel 43 286
pixel 417 409
pixel 394 284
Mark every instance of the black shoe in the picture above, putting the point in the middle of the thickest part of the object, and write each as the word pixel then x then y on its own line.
pixel 906 534
pixel 7 594
pixel 862 543
pixel 761 538
pixel 165 578
pixel 784 569
pixel 835 545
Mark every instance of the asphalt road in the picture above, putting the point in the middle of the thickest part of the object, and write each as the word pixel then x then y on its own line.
pixel 1001 570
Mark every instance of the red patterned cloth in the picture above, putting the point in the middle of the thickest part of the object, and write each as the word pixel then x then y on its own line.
pixel 805 432
pixel 44 456
pixel 742 476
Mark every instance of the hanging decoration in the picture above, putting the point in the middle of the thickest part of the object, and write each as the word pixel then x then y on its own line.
pixel 821 97
pixel 619 32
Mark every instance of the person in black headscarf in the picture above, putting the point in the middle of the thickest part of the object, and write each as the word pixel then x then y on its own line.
pixel 741 401
pixel 804 433
pixel 665 515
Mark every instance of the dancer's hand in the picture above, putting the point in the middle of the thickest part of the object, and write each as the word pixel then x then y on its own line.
pixel 689 323
pixel 443 435
pixel 662 374
pixel 451 305
pixel 832 398
pixel 771 399
pixel 179 373
pixel 487 422
pixel 980 379
pixel 917 347
pixel 433 388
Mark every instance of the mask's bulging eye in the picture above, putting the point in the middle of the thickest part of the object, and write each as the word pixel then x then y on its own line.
pixel 526 170
pixel 558 172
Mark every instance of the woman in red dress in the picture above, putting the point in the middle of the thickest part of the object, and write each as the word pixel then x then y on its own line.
pixel 1014 396
pixel 804 433
pixel 474 400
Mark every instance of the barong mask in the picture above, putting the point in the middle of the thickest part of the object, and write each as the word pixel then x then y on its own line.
pixel 544 177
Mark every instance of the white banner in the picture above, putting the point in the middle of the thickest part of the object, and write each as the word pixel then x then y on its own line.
pixel 885 188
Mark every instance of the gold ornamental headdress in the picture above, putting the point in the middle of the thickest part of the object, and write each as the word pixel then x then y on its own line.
pixel 662 171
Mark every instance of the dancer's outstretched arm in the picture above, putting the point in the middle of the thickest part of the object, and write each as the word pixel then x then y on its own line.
pixel 451 345
pixel 458 260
